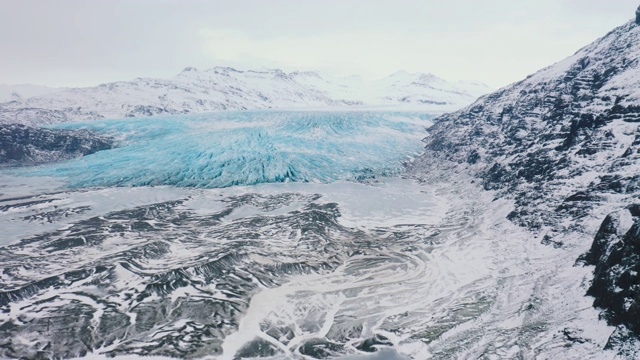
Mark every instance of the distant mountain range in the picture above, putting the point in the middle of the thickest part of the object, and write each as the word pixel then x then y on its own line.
pixel 224 88
pixel 24 91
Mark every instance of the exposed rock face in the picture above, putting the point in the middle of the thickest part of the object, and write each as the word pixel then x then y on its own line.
pixel 616 254
pixel 564 145
pixel 638 16
pixel 21 144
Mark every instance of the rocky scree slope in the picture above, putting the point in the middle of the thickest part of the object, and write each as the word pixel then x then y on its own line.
pixel 564 144
pixel 223 88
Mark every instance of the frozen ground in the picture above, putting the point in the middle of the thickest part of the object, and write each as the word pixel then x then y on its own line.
pixel 285 271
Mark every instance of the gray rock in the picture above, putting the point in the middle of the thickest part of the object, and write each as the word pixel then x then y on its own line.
pixel 616 255
pixel 21 145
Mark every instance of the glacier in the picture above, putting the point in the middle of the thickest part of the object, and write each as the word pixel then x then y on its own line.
pixel 245 148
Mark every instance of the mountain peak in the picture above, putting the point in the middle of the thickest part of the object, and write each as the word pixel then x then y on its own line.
pixel 428 77
pixel 225 88
pixel 189 69
pixel 418 77
pixel 223 70
pixel 400 73
pixel 309 73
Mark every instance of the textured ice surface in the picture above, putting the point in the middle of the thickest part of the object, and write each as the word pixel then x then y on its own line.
pixel 244 148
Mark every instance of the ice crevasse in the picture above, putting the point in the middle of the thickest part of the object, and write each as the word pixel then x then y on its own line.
pixel 245 148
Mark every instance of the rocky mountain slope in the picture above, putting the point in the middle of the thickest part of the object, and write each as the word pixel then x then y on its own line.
pixel 564 145
pixel 196 91
pixel 22 145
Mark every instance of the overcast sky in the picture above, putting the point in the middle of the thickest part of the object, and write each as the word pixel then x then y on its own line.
pixel 87 42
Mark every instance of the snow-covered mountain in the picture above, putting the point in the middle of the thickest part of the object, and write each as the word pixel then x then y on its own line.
pixel 400 89
pixel 24 91
pixel 223 88
pixel 403 87
pixel 564 146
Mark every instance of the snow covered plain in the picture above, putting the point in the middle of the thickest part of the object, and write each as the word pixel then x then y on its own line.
pixel 320 259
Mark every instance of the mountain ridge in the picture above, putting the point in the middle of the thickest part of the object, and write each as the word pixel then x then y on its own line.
pixel 226 88
pixel 24 91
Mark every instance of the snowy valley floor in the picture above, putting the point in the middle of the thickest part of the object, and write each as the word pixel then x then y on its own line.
pixel 286 271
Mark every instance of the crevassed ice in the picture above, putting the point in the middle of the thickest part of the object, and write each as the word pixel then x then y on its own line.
pixel 246 148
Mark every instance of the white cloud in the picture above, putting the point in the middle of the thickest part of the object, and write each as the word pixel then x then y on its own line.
pixel 497 55
pixel 78 42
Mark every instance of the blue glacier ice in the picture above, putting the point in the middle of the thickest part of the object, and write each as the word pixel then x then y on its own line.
pixel 245 148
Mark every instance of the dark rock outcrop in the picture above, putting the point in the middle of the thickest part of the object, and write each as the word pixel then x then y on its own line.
pixel 21 144
pixel 616 255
